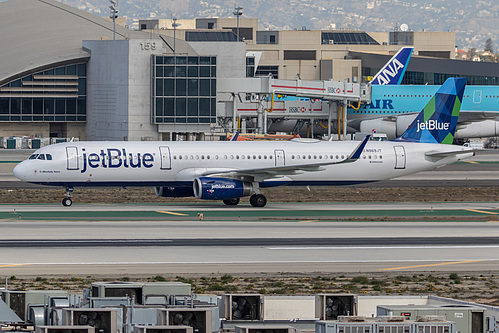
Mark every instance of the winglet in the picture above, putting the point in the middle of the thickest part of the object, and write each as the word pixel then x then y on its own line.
pixel 236 135
pixel 437 122
pixel 394 70
pixel 355 155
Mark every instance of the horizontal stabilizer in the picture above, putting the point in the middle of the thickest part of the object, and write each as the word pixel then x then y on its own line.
pixel 450 153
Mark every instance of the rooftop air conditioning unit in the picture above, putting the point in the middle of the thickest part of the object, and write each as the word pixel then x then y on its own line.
pixel 66 329
pixel 104 320
pixel 265 329
pixel 19 301
pixel 200 319
pixel 331 306
pixel 345 327
pixel 163 329
pixel 139 290
pixel 243 307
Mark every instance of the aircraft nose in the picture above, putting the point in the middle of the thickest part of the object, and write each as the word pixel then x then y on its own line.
pixel 20 171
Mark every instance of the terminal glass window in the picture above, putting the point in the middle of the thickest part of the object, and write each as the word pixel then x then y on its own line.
pixel 185 89
pixel 57 94
pixel 412 77
pixel 343 38
pixel 268 70
pixel 250 66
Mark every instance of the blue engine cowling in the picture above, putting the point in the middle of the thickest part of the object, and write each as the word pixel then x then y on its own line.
pixel 220 188
pixel 174 192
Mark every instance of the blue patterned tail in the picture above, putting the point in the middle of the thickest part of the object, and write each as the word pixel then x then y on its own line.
pixel 436 123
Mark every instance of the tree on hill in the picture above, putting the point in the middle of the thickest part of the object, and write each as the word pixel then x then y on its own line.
pixel 489 45
pixel 471 53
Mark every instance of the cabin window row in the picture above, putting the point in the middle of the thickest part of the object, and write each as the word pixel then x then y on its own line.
pixel 264 157
pixel 225 157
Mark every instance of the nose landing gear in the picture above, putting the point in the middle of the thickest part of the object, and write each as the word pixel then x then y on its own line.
pixel 67 201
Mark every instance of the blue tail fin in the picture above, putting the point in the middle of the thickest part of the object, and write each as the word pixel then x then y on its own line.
pixel 393 71
pixel 436 123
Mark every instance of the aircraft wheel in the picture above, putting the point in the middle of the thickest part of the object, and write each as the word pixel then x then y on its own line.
pixel 231 202
pixel 67 202
pixel 258 200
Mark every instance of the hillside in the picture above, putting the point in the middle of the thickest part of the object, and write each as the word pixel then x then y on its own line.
pixel 473 21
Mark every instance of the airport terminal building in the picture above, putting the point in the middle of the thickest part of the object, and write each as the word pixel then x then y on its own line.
pixel 67 73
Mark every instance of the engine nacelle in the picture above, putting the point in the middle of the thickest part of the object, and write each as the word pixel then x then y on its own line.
pixel 220 188
pixel 174 192
pixel 479 129
pixel 381 126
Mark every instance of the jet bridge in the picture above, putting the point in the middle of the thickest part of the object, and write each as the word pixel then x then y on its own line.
pixel 256 101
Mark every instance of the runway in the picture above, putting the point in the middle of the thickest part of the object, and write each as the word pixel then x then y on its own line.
pixel 318 238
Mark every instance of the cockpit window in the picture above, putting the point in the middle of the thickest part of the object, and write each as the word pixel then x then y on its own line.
pixel 41 157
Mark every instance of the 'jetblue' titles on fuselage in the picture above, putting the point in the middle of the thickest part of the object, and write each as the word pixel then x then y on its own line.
pixel 113 158
pixel 432 125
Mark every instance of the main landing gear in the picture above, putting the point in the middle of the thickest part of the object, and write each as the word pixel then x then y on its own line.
pixel 256 200
pixel 232 202
pixel 67 201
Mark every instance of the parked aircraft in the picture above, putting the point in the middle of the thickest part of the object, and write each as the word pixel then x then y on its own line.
pixel 229 170
pixel 394 107
pixel 393 71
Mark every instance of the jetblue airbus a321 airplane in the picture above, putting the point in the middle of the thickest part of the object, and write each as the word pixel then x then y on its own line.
pixel 229 170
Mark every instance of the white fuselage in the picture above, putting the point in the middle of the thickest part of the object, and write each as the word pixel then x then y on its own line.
pixel 179 163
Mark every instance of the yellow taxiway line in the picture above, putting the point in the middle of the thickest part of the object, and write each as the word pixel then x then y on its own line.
pixel 482 211
pixel 13 265
pixel 430 265
pixel 171 213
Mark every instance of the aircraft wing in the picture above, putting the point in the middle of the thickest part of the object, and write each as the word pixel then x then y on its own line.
pixel 271 172
pixel 355 123
pixel 466 117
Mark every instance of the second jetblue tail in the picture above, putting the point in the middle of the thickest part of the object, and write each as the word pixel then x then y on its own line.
pixel 393 71
pixel 436 123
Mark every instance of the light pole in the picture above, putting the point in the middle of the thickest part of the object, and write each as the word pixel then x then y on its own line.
pixel 114 11
pixel 174 25
pixel 238 11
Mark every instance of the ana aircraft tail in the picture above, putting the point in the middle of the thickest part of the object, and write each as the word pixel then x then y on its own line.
pixel 436 123
pixel 393 71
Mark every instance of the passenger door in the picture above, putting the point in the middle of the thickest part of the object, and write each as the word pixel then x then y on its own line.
pixel 279 157
pixel 400 157
pixel 72 158
pixel 166 162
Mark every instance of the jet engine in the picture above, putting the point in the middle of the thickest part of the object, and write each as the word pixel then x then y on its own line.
pixel 479 129
pixel 393 126
pixel 173 192
pixel 220 188
pixel 379 125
